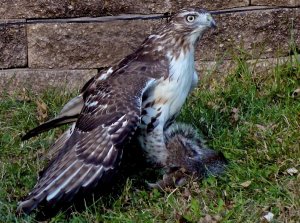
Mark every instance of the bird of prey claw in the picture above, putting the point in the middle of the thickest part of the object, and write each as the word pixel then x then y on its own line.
pixel 142 95
pixel 188 157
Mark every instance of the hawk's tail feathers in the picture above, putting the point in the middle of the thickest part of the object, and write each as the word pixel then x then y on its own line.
pixel 68 114
pixel 53 123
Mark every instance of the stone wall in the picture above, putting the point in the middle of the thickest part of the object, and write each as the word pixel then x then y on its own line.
pixel 58 42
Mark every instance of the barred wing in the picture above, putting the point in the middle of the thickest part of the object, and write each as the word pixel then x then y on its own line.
pixel 109 118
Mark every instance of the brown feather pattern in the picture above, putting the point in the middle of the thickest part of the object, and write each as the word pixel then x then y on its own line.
pixel 96 143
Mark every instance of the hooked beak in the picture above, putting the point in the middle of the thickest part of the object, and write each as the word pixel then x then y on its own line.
pixel 212 23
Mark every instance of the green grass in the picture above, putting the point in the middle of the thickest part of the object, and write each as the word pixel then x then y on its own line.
pixel 250 116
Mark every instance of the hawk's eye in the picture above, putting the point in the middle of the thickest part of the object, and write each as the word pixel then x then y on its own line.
pixel 190 18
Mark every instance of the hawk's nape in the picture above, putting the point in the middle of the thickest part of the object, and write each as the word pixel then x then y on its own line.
pixel 96 144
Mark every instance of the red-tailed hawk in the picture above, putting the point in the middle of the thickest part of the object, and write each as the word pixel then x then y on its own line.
pixel 141 95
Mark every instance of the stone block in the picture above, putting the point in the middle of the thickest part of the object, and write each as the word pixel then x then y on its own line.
pixel 13 44
pixel 276 2
pixel 50 8
pixel 156 6
pixel 90 45
pixel 257 66
pixel 37 80
pixel 77 8
pixel 253 34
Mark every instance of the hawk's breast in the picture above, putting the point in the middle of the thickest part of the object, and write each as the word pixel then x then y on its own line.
pixel 168 96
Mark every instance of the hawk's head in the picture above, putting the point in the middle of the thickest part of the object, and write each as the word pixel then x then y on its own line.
pixel 185 28
pixel 179 35
pixel 192 22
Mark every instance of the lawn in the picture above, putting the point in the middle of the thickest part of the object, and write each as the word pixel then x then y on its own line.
pixel 252 117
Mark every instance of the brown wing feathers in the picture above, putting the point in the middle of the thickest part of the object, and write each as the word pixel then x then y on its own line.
pixel 109 118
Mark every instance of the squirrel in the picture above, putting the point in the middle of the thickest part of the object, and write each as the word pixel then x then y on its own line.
pixel 188 156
